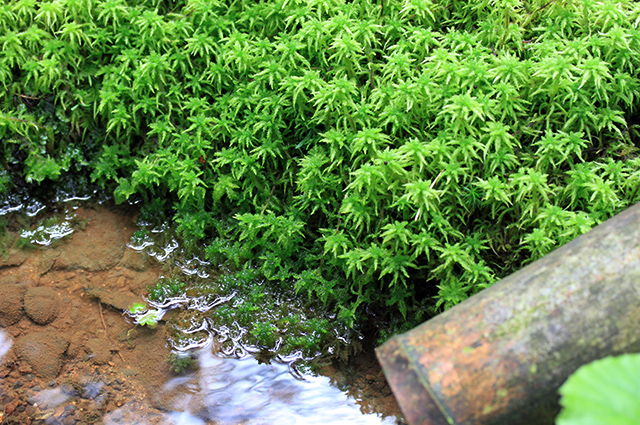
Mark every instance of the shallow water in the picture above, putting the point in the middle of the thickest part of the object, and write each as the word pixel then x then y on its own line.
pixel 242 391
pixel 110 370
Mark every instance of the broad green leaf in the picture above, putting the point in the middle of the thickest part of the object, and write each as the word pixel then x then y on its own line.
pixel 604 392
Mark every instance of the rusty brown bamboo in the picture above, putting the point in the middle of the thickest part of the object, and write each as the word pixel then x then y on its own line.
pixel 500 356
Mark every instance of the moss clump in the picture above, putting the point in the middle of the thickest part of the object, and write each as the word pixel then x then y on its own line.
pixel 182 362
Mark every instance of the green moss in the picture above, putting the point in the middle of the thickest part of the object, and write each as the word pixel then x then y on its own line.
pixel 165 288
pixel 180 363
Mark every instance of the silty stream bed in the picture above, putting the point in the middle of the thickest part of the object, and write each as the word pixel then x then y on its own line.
pixel 70 356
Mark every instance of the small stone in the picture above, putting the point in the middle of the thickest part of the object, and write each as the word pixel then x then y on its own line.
pixel 122 336
pixel 92 390
pixel 132 334
pixel 73 350
pixel 41 304
pixel 10 304
pixel 119 401
pixel 9 408
pixel 43 351
pixel 130 371
pixel 25 368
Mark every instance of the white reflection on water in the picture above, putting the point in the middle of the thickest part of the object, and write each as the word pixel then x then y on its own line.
pixel 5 343
pixel 229 391
pixel 51 397
pixel 182 418
pixel 45 234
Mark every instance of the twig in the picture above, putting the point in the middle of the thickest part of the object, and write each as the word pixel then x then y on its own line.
pixel 542 7
pixel 105 329
pixel 268 200
pixel 24 121
pixel 436 179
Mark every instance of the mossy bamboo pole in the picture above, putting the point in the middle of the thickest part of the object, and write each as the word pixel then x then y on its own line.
pixel 500 356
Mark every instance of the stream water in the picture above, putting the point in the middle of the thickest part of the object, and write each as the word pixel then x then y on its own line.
pixel 70 356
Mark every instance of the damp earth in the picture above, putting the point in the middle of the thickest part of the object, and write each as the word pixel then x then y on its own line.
pixel 69 355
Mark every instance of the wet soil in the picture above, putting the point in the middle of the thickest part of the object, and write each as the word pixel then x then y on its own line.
pixel 70 350
pixel 72 357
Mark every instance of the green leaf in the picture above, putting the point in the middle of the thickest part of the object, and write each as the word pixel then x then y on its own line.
pixel 136 308
pixel 604 392
pixel 150 318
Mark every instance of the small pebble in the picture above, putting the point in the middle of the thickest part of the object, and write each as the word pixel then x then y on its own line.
pixel 92 389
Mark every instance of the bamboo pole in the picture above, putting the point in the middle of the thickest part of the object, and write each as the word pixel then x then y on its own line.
pixel 500 356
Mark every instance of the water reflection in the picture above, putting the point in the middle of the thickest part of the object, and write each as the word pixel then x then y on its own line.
pixel 228 391
pixel 5 343
pixel 51 397
pixel 71 193
pixel 47 232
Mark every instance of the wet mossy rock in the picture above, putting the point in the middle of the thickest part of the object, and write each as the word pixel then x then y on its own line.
pixel 43 351
pixel 41 304
pixel 10 304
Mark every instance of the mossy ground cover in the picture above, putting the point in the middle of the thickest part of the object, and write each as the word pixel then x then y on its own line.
pixel 384 160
